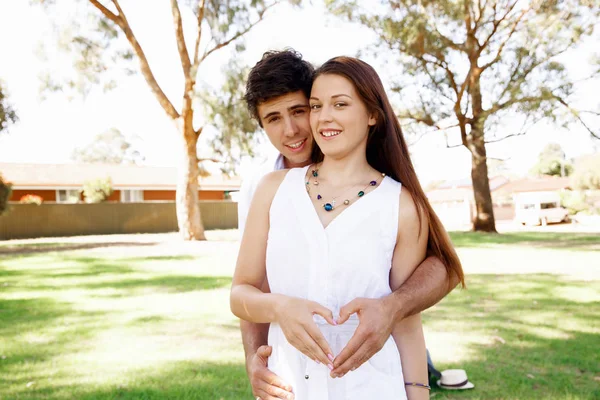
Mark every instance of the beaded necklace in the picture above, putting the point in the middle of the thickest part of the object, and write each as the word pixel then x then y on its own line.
pixel 330 206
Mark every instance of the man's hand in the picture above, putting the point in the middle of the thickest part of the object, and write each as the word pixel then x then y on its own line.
pixel 265 384
pixel 374 329
pixel 295 316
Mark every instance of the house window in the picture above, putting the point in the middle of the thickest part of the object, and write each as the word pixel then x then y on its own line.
pixel 67 196
pixel 132 196
pixel 546 206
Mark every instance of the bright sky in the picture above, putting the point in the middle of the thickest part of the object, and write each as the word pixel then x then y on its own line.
pixel 49 129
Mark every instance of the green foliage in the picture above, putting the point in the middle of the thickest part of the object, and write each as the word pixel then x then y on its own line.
pixel 509 49
pixel 226 110
pixel 5 192
pixel 466 66
pixel 575 201
pixel 226 18
pixel 98 190
pixel 8 115
pixel 31 199
pixel 552 162
pixel 98 52
pixel 587 172
pixel 110 147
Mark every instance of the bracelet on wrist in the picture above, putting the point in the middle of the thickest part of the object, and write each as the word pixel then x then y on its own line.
pixel 417 384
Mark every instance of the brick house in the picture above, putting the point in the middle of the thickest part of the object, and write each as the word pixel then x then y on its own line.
pixel 61 183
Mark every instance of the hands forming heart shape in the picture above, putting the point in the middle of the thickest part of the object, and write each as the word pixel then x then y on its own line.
pixel 295 316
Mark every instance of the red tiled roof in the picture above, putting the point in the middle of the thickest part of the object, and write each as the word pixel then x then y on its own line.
pixel 546 184
pixel 122 176
pixel 499 187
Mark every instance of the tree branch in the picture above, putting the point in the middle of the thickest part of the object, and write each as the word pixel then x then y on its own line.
pixel 180 39
pixel 527 71
pixel 501 106
pixel 468 17
pixel 449 42
pixel 211 159
pixel 481 9
pixel 589 112
pixel 448 146
pixel 442 64
pixel 426 120
pixel 199 35
pixel 501 48
pixel 437 84
pixel 107 13
pixel 575 113
pixel 462 123
pixel 505 137
pixel 121 21
pixel 437 129
pixel 496 23
pixel 239 34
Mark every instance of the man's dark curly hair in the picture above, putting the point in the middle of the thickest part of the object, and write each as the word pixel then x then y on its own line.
pixel 276 74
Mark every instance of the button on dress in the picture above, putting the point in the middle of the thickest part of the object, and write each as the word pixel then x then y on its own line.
pixel 350 258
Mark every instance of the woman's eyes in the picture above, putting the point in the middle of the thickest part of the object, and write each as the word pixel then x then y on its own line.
pixel 336 105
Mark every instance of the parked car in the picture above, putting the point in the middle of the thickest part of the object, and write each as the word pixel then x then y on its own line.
pixel 540 211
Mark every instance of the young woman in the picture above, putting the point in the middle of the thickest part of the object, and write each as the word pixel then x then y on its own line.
pixel 353 225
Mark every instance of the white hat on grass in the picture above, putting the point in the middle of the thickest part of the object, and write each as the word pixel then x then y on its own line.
pixel 455 379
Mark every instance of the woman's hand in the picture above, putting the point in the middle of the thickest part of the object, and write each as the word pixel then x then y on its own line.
pixel 295 316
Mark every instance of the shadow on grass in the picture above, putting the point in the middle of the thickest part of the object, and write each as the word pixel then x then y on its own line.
pixel 36 330
pixel 540 344
pixel 549 369
pixel 167 283
pixel 150 319
pixel 182 257
pixel 36 275
pixel 182 380
pixel 83 266
pixel 553 240
pixel 548 348
pixel 30 248
pixel 527 303
pixel 28 315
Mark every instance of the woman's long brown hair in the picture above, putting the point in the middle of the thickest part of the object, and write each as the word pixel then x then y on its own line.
pixel 387 152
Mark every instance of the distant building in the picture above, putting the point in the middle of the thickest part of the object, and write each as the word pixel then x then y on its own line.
pixel 131 183
pixel 454 201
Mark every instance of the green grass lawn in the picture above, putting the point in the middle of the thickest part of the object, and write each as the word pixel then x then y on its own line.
pixel 153 321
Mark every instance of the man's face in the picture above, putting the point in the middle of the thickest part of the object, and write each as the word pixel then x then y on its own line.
pixel 286 120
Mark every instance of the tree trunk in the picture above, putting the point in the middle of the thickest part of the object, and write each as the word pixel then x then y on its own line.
pixel 484 211
pixel 188 208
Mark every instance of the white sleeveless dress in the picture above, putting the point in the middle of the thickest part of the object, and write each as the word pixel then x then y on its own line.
pixel 350 258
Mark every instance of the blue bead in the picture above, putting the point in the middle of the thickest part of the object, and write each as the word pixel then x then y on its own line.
pixel 361 193
pixel 315 173
pixel 328 207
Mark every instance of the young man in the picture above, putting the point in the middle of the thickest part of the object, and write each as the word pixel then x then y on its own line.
pixel 277 95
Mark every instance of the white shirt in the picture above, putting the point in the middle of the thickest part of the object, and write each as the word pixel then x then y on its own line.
pixel 350 258
pixel 249 187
